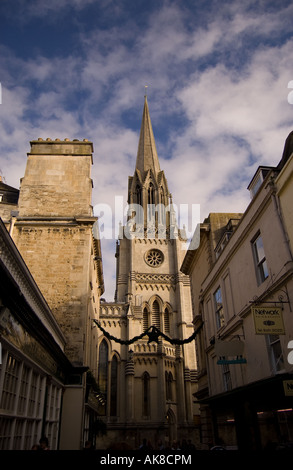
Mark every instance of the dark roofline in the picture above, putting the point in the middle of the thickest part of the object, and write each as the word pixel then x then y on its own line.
pixel 6 187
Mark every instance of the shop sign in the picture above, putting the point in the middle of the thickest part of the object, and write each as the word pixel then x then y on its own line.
pixel 229 352
pixel 288 388
pixel 268 320
pixel 240 360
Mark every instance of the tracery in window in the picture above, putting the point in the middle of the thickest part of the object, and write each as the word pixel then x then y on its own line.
pixel 154 258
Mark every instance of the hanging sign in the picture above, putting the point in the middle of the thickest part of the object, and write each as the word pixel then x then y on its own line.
pixel 288 387
pixel 268 320
pixel 229 352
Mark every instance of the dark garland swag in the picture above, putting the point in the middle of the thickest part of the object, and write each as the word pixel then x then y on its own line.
pixel 153 334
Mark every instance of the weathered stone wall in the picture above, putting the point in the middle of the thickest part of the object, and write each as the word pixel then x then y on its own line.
pixel 57 180
pixel 5 211
pixel 53 232
pixel 58 257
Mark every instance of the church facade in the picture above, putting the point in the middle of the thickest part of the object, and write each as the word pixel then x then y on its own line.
pixel 131 363
pixel 147 383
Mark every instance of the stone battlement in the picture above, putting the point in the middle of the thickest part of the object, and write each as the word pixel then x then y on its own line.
pixel 61 147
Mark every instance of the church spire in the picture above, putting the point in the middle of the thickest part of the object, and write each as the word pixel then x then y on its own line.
pixel 147 157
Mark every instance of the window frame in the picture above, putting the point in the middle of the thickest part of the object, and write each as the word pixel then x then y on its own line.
pixel 227 379
pixel 219 311
pixel 275 353
pixel 260 263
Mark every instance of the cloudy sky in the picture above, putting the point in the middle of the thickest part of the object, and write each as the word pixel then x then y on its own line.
pixel 217 74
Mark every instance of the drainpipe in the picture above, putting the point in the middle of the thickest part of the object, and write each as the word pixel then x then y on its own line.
pixel 14 215
pixel 278 210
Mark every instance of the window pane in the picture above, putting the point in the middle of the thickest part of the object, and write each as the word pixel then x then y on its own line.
pixel 265 271
pixel 220 320
pixel 10 384
pixel 23 390
pixel 259 249
pixel 260 260
pixel 218 298
pixel 276 352
pixel 227 377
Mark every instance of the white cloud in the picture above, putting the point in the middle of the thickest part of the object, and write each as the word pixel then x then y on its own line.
pixel 236 122
pixel 231 97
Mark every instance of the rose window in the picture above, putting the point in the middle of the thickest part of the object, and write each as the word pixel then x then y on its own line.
pixel 154 258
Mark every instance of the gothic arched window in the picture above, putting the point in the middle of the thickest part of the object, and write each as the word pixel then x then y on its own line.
pixel 166 321
pixel 146 394
pixel 145 319
pixel 103 376
pixel 114 386
pixel 156 314
pixel 151 194
pixel 168 381
pixel 138 195
pixel 162 208
pixel 151 202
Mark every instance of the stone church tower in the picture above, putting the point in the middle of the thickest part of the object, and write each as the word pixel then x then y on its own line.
pixel 147 386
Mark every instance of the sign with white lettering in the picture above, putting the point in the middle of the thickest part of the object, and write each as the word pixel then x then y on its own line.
pixel 268 320
pixel 288 387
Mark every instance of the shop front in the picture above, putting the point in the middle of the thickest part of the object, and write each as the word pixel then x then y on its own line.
pixel 258 416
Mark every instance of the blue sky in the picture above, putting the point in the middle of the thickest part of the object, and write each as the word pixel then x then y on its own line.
pixel 217 75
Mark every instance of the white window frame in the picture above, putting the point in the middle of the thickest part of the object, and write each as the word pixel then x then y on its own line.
pixel 261 267
pixel 276 360
pixel 219 310
pixel 22 402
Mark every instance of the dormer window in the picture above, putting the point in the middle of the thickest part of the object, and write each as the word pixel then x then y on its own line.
pixel 258 179
pixel 227 233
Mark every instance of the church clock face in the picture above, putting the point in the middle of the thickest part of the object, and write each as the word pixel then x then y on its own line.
pixel 154 258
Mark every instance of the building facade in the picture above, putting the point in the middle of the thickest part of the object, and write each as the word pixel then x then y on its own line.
pixel 153 379
pixel 242 283
pixel 33 365
pixel 51 224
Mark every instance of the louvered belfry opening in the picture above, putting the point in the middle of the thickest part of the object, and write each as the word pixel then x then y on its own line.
pixel 156 314
pixel 166 321
pixel 145 320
